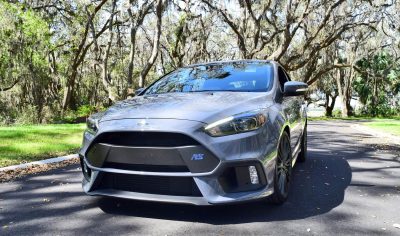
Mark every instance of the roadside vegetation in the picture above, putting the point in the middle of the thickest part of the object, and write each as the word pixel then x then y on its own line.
pixel 387 125
pixel 390 126
pixel 356 118
pixel 59 58
pixel 20 144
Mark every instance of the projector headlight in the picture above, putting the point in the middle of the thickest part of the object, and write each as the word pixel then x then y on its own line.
pixel 92 125
pixel 243 122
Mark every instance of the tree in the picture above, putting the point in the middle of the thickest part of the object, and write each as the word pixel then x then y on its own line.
pixel 79 53
pixel 24 42
pixel 61 56
pixel 136 20
pixel 379 82
pixel 156 43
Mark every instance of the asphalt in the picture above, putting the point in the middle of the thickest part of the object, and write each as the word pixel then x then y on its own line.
pixel 349 185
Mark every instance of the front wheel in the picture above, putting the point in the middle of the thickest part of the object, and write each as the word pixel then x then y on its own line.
pixel 283 171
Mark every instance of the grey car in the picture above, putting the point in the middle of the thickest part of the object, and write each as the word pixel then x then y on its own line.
pixel 213 133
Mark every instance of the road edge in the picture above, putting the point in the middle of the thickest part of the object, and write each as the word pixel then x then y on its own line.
pixel 392 138
pixel 42 162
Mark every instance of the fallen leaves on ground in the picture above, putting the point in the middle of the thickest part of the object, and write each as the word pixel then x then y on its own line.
pixel 9 175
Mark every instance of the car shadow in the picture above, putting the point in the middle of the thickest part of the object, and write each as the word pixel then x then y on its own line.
pixel 318 187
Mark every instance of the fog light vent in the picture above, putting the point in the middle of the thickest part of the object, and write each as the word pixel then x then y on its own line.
pixel 253 175
pixel 87 172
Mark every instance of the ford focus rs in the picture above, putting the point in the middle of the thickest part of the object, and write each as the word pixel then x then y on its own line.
pixel 214 133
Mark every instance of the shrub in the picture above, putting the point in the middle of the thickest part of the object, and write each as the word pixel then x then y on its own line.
pixel 27 116
pixel 86 110
pixel 337 113
pixel 77 116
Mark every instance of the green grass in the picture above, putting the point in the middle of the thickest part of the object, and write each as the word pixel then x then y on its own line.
pixel 389 125
pixel 336 118
pixel 355 118
pixel 19 144
pixel 385 125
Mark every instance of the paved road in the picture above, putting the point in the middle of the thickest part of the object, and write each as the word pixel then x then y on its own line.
pixel 347 186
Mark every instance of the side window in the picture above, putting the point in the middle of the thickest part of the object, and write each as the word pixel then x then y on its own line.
pixel 282 77
pixel 287 76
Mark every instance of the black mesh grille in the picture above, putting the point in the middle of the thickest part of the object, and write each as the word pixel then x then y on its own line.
pixel 149 168
pixel 175 186
pixel 144 139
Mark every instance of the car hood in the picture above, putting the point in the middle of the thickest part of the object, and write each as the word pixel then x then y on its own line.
pixel 202 107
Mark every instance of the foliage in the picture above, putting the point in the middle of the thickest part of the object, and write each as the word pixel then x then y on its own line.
pixel 378 85
pixel 337 113
pixel 24 43
pixel 86 110
pixel 61 59
pixel 78 116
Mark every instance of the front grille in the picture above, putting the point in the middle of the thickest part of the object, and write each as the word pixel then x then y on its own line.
pixel 146 139
pixel 148 168
pixel 163 185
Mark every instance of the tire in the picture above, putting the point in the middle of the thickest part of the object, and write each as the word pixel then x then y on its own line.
pixel 283 171
pixel 303 151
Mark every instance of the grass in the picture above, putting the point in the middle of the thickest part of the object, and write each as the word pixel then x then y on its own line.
pixel 355 118
pixel 20 144
pixel 335 118
pixel 385 125
pixel 389 125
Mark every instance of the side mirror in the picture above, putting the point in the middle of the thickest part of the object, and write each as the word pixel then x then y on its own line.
pixel 139 91
pixel 294 88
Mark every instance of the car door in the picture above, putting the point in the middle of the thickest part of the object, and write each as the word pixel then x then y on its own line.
pixel 292 109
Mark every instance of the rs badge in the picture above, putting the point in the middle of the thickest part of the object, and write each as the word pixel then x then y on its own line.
pixel 197 157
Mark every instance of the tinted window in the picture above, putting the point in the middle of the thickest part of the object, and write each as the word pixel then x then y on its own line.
pixel 237 77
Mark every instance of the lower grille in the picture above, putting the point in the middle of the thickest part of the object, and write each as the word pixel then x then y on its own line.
pixel 175 186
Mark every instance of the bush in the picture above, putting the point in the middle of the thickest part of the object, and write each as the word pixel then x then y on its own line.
pixel 27 116
pixel 86 110
pixel 78 116
pixel 337 113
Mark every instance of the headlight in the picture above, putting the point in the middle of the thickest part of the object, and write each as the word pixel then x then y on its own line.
pixel 92 125
pixel 240 123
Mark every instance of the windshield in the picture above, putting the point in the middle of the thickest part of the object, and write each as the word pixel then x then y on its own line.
pixel 235 77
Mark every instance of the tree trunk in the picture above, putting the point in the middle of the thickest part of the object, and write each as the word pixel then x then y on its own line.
pixel 136 20
pixel 79 55
pixel 374 101
pixel 345 111
pixel 156 44
pixel 106 77
pixel 131 55
pixel 69 90
pixel 329 105
pixel 344 88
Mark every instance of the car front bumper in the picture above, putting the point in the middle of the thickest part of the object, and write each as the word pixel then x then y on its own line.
pixel 231 156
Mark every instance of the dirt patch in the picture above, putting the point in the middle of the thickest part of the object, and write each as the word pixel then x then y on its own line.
pixel 9 175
